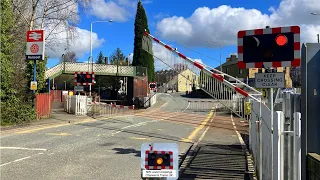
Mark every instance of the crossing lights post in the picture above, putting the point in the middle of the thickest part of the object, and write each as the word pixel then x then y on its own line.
pixel 269 48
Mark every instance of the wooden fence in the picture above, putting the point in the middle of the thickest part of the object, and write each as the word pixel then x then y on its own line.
pixel 44 105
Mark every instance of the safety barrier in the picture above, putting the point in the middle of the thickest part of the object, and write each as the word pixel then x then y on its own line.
pixel 104 110
pixel 76 104
pixel 44 105
pixel 212 81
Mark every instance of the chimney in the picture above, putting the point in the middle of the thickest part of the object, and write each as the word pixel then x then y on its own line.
pixel 106 60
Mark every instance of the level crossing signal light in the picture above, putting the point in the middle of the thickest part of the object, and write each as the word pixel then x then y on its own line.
pixel 152 86
pixel 158 159
pixel 269 47
pixel 84 78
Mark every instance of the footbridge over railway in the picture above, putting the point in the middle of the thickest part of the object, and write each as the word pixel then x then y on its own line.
pixel 98 69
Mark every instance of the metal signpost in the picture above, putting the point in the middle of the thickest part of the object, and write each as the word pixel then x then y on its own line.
pixel 269 80
pixel 269 48
pixel 78 88
pixel 35 51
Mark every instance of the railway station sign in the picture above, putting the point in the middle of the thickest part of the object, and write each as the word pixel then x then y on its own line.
pixel 269 80
pixel 35 45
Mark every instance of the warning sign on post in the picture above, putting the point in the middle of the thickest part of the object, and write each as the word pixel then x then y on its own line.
pixel 269 80
pixel 33 85
pixel 159 173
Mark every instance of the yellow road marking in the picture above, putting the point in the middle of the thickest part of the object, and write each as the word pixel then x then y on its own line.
pixel 59 134
pixel 84 121
pixel 194 132
pixel 53 126
pixel 139 138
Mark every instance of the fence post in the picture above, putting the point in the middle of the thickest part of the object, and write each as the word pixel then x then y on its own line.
pixel 297 146
pixel 277 140
pixel 281 123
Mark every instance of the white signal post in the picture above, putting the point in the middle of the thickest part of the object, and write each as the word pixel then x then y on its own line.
pixel 243 64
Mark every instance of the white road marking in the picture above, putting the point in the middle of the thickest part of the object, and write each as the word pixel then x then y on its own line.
pixel 186 107
pixel 15 161
pixel 145 123
pixel 238 134
pixel 22 148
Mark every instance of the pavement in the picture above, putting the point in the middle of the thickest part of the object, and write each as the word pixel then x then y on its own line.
pixel 70 147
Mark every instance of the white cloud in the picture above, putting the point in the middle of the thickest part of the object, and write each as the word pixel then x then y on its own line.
pixel 198 60
pixel 161 15
pixel 129 3
pixel 79 41
pixel 110 10
pixel 146 2
pixel 222 23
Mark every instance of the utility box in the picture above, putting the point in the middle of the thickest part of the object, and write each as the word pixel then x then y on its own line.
pixel 310 107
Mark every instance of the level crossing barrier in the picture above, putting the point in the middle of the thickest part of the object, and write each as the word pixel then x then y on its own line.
pixel 214 82
pixel 274 155
pixel 105 110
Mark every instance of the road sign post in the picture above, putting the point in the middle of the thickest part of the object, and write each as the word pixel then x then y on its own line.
pixel 35 49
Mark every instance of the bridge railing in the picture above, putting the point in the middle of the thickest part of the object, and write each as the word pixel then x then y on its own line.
pixel 99 69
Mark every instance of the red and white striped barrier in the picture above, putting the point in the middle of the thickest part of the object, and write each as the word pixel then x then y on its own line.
pixel 212 81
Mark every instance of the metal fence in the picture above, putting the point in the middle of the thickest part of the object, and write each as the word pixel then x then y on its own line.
pixel 76 104
pixel 104 110
pixel 276 145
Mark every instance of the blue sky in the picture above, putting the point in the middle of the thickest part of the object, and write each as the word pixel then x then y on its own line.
pixel 121 32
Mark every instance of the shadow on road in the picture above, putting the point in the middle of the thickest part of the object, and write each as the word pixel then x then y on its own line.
pixel 127 151
pixel 214 161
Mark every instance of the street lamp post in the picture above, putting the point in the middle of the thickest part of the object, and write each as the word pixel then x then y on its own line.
pixel 315 14
pixel 91 59
pixel 220 52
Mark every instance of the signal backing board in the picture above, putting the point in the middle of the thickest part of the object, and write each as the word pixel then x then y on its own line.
pixel 269 47
pixel 84 78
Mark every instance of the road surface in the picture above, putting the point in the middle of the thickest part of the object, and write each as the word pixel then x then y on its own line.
pixel 99 148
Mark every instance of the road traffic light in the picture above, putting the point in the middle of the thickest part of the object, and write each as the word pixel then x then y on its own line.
pixel 82 78
pixel 270 47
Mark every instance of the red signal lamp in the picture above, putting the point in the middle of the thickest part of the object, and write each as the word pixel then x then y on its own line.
pixel 281 40
pixel 88 76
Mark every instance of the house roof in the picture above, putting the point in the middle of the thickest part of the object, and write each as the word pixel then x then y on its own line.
pixel 228 63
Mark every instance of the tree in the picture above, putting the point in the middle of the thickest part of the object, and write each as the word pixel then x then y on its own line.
pixel 100 59
pixel 141 57
pixel 69 57
pixel 53 16
pixel 13 110
pixel 117 58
